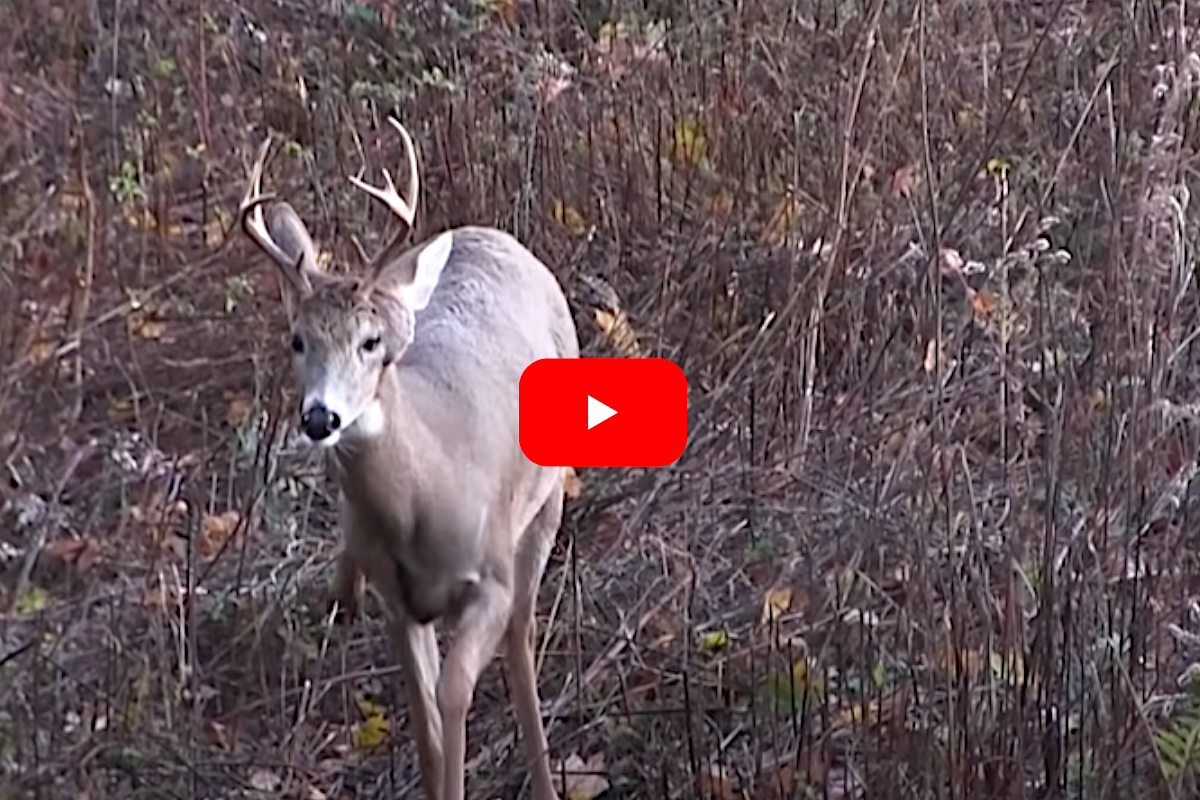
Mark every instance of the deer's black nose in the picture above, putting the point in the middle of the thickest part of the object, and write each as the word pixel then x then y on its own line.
pixel 319 422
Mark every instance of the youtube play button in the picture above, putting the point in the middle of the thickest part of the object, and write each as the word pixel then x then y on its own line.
pixel 597 412
pixel 603 412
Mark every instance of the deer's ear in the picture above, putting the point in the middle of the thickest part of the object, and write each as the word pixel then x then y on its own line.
pixel 398 324
pixel 290 234
pixel 412 279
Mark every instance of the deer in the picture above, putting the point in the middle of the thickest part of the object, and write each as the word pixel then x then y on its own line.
pixel 409 370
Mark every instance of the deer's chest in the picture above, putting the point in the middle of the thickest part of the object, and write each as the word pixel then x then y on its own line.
pixel 425 565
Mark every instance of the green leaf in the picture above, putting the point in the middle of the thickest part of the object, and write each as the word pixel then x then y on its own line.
pixel 795 690
pixel 32 601
pixel 711 641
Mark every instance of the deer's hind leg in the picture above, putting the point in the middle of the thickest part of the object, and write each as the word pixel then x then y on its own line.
pixel 532 554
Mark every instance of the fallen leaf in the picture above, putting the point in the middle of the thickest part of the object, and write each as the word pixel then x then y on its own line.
pixel 688 143
pixel 584 779
pixel 776 604
pixel 82 551
pixel 219 734
pixel 569 217
pixel 32 600
pixel 983 303
pixel 238 410
pixel 572 484
pixel 794 691
pixel 71 201
pixel 891 706
pixel 711 641
pixel 264 780
pixel 551 87
pixel 40 349
pixel 953 661
pixel 904 181
pixel 618 331
pixel 781 223
pixel 141 323
pixel 214 234
pixel 373 730
pixel 160 596
pixel 505 10
pixel 1009 669
pixel 931 355
pixel 215 531
pixel 998 167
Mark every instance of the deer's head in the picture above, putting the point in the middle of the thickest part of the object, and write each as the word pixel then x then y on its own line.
pixel 346 330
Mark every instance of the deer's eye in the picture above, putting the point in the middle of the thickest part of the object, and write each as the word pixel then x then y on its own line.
pixel 370 345
pixel 297 343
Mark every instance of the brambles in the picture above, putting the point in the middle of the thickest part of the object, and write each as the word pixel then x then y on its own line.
pixel 957 436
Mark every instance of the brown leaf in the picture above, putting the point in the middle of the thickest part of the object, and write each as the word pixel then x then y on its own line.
pixel 219 734
pixel 572 484
pixel 983 303
pixel 569 217
pixel 215 531
pixel 904 181
pixel 82 552
pixel 932 355
pixel 238 409
pixel 141 323
pixel 214 234
pixel 620 334
pixel 781 223
pixel 689 145
pixel 776 604
pixel 161 597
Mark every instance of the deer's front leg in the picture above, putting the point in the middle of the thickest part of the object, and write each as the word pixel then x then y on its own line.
pixel 348 587
pixel 349 580
pixel 479 631
pixel 416 649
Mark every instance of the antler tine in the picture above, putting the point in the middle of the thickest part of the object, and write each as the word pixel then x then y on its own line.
pixel 404 209
pixel 251 213
pixel 410 150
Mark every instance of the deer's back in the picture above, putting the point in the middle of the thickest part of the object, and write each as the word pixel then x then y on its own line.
pixel 496 310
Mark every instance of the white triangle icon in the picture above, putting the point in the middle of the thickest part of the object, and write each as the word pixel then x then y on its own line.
pixel 598 412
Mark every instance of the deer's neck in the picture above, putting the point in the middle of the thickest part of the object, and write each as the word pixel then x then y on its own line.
pixel 378 452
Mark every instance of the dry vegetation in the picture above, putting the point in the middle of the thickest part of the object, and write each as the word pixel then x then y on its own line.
pixel 927 266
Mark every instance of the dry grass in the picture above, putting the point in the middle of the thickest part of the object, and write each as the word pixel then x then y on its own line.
pixel 928 268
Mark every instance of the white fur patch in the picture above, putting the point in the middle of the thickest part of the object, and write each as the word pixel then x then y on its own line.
pixel 371 423
pixel 430 263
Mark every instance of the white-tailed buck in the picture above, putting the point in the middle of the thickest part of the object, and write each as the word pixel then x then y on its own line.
pixel 410 375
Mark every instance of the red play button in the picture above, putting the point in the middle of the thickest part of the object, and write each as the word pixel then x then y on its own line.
pixel 603 412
